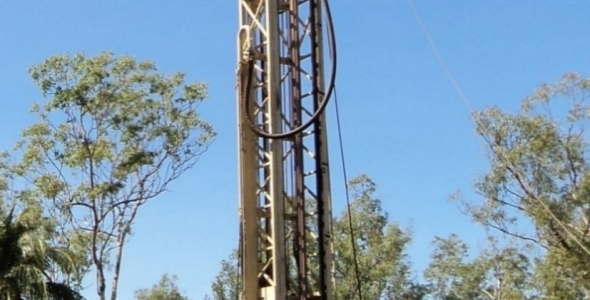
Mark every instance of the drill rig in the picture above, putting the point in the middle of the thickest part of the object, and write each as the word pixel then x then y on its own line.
pixel 285 206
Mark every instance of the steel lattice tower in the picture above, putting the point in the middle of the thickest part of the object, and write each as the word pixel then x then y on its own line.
pixel 285 205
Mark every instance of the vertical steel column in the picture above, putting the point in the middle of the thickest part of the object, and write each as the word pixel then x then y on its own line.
pixel 285 209
pixel 299 238
pixel 324 199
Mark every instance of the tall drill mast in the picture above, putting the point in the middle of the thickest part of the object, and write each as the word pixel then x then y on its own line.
pixel 285 205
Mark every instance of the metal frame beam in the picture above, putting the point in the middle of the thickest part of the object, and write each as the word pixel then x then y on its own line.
pixel 285 205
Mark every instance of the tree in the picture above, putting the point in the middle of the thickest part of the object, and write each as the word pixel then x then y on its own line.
pixel 447 271
pixel 497 273
pixel 165 289
pixel 25 259
pixel 113 135
pixel 538 186
pixel 227 284
pixel 380 247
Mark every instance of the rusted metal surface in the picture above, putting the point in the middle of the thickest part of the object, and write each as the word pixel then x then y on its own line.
pixel 284 183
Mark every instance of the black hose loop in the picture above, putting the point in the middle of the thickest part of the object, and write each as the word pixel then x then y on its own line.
pixel 322 107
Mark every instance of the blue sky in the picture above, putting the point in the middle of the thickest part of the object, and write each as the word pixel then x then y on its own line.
pixel 403 123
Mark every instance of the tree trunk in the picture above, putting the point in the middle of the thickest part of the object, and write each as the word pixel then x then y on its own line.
pixel 100 280
pixel 117 270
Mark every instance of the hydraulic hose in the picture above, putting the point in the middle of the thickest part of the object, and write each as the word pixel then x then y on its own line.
pixel 322 106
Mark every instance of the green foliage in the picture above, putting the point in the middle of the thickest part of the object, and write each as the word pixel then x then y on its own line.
pixel 538 186
pixel 380 247
pixel 165 289
pixel 227 284
pixel 558 277
pixel 26 260
pixel 447 270
pixel 496 273
pixel 112 135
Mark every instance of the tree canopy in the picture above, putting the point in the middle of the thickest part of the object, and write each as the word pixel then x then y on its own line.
pixel 112 135
pixel 165 289
pixel 538 186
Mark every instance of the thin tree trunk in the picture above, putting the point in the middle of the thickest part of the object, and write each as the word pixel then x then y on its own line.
pixel 101 282
pixel 117 270
pixel 123 230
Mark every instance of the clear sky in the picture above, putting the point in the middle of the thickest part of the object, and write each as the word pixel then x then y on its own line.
pixel 404 124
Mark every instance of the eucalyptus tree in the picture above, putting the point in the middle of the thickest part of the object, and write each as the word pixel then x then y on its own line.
pixel 538 185
pixel 227 283
pixel 379 248
pixel 165 289
pixel 499 272
pixel 112 135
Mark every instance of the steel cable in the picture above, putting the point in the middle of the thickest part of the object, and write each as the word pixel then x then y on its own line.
pixel 348 206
